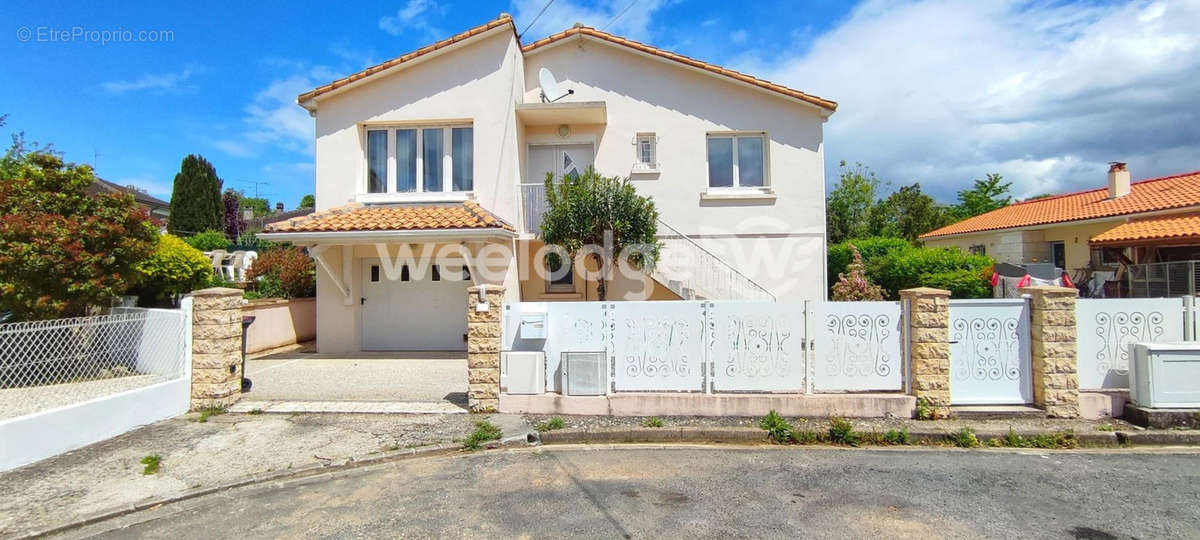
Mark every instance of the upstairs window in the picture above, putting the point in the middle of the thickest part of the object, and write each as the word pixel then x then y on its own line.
pixel 645 149
pixel 737 160
pixel 420 159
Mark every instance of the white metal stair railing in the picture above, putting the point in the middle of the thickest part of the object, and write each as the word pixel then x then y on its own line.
pixel 695 273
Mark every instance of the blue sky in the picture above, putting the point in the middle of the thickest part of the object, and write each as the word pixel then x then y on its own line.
pixel 933 91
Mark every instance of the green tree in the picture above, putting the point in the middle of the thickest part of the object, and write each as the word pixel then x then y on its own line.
pixel 986 195
pixel 907 213
pixel 196 198
pixel 849 203
pixel 593 211
pixel 63 251
pixel 259 205
pixel 174 268
pixel 308 201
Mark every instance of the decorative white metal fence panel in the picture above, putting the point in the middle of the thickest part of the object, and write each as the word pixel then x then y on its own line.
pixel 1107 327
pixel 858 346
pixel 990 352
pixel 658 346
pixel 756 346
pixel 571 327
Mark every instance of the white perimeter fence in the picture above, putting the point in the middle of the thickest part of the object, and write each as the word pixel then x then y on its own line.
pixel 67 383
pixel 722 346
pixel 829 347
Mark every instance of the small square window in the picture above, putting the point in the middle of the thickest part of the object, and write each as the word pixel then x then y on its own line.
pixel 646 149
pixel 561 277
pixel 977 249
pixel 404 273
pixel 374 273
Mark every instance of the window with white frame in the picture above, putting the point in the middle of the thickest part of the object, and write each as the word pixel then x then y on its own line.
pixel 737 160
pixel 646 150
pixel 421 159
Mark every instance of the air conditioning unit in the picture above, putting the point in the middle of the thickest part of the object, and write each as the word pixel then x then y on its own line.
pixel 1165 375
pixel 584 373
pixel 523 372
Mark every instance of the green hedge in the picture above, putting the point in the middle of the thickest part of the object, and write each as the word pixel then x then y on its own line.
pixel 896 265
pixel 174 268
pixel 207 240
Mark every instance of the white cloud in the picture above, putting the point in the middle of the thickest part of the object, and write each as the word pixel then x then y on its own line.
pixel 1042 92
pixel 414 15
pixel 274 120
pixel 634 23
pixel 738 37
pixel 153 81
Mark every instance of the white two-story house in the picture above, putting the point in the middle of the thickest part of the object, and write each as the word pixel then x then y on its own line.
pixel 430 171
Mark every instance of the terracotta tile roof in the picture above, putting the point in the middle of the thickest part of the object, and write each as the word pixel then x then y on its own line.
pixel 589 31
pixel 393 217
pixel 1168 192
pixel 502 20
pixel 1162 229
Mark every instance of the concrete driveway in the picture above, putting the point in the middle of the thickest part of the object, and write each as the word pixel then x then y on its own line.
pixel 409 377
pixel 707 492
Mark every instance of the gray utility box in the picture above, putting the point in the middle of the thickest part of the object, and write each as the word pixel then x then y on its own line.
pixel 585 373
pixel 533 326
pixel 1165 375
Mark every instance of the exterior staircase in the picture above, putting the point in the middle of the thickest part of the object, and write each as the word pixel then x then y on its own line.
pixel 695 273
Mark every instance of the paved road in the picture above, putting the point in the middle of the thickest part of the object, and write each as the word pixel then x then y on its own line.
pixel 637 492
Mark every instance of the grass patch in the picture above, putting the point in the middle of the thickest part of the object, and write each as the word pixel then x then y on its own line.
pixel 805 436
pixel 897 437
pixel 550 425
pixel 484 431
pixel 964 438
pixel 150 464
pixel 1057 439
pixel 209 412
pixel 653 422
pixel 1106 427
pixel 779 430
pixel 841 431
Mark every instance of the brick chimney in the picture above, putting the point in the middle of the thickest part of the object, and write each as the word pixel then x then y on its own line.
pixel 1118 180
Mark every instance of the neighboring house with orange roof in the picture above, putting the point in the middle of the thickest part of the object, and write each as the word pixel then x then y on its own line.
pixel 1121 231
pixel 443 151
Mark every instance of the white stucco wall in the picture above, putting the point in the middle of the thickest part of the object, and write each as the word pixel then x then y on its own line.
pixel 681 105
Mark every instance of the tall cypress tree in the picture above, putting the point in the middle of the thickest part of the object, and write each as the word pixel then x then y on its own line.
pixel 196 198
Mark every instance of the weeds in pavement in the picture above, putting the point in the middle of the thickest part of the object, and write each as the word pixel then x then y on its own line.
pixel 1057 439
pixel 550 425
pixel 1106 427
pixel 779 431
pixel 964 438
pixel 805 436
pixel 151 463
pixel 926 410
pixel 208 412
pixel 255 411
pixel 894 436
pixel 653 421
pixel 484 431
pixel 841 431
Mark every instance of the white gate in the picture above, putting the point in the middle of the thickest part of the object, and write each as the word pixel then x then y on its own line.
pixel 756 346
pixel 990 352
pixel 1106 328
pixel 857 346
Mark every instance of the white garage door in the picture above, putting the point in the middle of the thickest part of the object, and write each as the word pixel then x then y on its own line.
pixel 416 311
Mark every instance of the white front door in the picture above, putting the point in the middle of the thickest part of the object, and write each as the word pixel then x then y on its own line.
pixel 563 160
pixel 417 311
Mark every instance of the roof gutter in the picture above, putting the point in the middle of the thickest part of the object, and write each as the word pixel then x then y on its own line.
pixel 368 237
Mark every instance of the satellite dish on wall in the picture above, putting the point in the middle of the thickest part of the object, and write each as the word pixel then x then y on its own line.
pixel 551 92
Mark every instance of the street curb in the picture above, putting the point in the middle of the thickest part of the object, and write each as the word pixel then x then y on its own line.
pixel 315 469
pixel 749 435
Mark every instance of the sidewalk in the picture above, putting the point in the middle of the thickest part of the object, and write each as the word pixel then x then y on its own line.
pixel 224 449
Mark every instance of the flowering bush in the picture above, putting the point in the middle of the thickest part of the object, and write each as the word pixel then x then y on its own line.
pixel 174 268
pixel 856 287
pixel 284 273
pixel 63 251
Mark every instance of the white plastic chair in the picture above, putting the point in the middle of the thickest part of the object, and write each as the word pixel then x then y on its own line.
pixel 218 261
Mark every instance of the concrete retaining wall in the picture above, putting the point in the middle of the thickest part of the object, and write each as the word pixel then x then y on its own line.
pixel 280 322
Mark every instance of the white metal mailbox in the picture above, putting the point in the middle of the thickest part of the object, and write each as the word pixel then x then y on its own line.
pixel 533 326
pixel 1165 375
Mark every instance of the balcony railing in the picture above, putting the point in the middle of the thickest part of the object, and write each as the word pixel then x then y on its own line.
pixel 685 267
pixel 1165 279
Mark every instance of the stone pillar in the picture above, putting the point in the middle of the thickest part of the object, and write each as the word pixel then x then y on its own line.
pixel 483 347
pixel 216 347
pixel 928 334
pixel 1052 333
